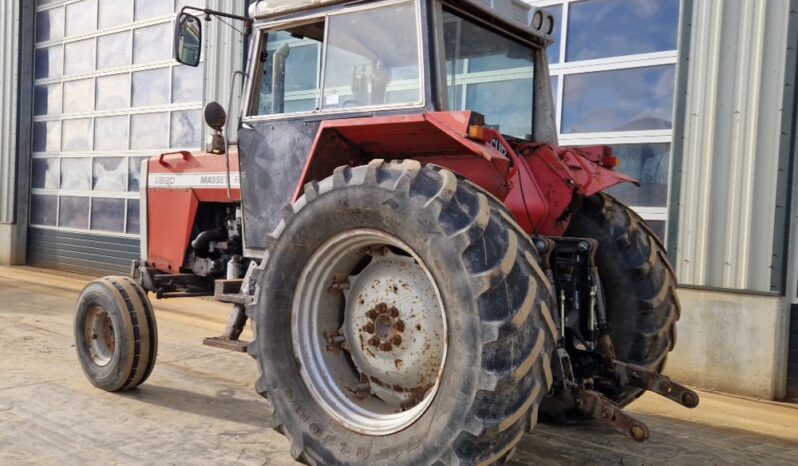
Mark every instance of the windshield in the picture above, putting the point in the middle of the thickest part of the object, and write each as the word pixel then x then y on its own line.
pixel 490 74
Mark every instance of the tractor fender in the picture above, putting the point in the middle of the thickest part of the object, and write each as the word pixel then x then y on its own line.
pixel 566 175
pixel 438 138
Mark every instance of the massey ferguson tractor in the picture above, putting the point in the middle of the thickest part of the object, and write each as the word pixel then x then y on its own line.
pixel 426 272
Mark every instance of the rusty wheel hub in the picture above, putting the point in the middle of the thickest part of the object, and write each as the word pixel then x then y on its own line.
pixel 369 331
pixel 99 335
pixel 395 327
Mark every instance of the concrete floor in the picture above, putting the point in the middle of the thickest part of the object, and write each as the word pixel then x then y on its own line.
pixel 199 406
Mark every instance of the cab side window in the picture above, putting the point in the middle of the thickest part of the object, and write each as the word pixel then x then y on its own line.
pixel 291 70
pixel 373 59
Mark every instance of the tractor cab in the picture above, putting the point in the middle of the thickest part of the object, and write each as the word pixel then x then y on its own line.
pixel 405 56
pixel 454 64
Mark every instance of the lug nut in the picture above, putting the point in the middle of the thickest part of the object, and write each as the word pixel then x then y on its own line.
pixel 396 340
pixel 386 346
pixel 381 308
pixel 374 341
pixel 394 312
pixel 399 326
pixel 369 328
pixel 372 314
pixel 336 339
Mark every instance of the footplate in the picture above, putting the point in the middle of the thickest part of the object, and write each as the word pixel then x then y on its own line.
pixel 641 377
pixel 595 405
pixel 227 344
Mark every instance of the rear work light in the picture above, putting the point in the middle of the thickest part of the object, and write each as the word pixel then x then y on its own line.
pixel 476 132
pixel 610 161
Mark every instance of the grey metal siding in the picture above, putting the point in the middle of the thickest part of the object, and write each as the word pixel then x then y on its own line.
pixel 9 72
pixel 731 143
pixel 80 252
pixel 792 358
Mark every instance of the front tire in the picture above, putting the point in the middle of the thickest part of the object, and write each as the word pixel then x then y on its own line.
pixel 492 341
pixel 115 333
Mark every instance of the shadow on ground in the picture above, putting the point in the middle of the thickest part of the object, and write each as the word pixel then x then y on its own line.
pixel 671 442
pixel 223 406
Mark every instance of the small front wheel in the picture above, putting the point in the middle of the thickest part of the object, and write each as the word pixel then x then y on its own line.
pixel 115 333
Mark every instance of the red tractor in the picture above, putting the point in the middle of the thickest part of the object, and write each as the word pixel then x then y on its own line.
pixel 425 270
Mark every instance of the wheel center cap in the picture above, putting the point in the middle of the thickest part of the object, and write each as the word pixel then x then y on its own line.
pixel 384 327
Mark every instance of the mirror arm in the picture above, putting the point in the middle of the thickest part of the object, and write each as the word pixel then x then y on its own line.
pixel 208 12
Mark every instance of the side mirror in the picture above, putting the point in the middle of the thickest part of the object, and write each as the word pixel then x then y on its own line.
pixel 188 39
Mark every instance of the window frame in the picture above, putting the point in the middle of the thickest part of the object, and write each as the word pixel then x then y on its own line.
pixel 260 38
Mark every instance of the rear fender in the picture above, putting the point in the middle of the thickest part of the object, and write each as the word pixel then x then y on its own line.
pixel 565 176
pixel 438 138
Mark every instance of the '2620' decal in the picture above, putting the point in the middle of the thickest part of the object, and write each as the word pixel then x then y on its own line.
pixel 193 180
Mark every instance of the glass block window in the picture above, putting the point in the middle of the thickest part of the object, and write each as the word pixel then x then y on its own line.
pixel 107 96
pixel 613 67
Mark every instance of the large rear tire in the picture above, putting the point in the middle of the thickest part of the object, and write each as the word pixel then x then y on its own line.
pixel 394 224
pixel 115 333
pixel 639 288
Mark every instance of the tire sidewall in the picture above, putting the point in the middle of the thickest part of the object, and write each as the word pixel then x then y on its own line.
pixel 392 212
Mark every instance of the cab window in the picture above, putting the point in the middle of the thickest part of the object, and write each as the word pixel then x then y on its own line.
pixel 291 70
pixel 372 58
pixel 490 74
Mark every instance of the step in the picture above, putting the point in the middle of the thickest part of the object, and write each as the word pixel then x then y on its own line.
pixel 227 344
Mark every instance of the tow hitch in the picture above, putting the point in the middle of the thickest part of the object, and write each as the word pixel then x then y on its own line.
pixel 586 373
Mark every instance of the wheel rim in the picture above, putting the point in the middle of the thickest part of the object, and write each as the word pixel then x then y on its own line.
pixel 369 331
pixel 99 335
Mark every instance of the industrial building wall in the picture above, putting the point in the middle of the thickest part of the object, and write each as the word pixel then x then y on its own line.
pixel 733 145
pixel 107 96
pixel 9 51
pixel 730 145
pixel 15 21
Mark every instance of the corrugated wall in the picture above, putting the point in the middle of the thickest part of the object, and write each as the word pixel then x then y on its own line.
pixel 9 31
pixel 729 162
pixel 224 52
pixel 81 253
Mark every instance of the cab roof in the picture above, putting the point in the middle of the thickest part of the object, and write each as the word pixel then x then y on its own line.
pixel 514 13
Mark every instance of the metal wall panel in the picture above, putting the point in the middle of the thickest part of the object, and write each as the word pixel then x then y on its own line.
pixel 224 57
pixel 731 142
pixel 80 252
pixel 792 368
pixel 9 53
